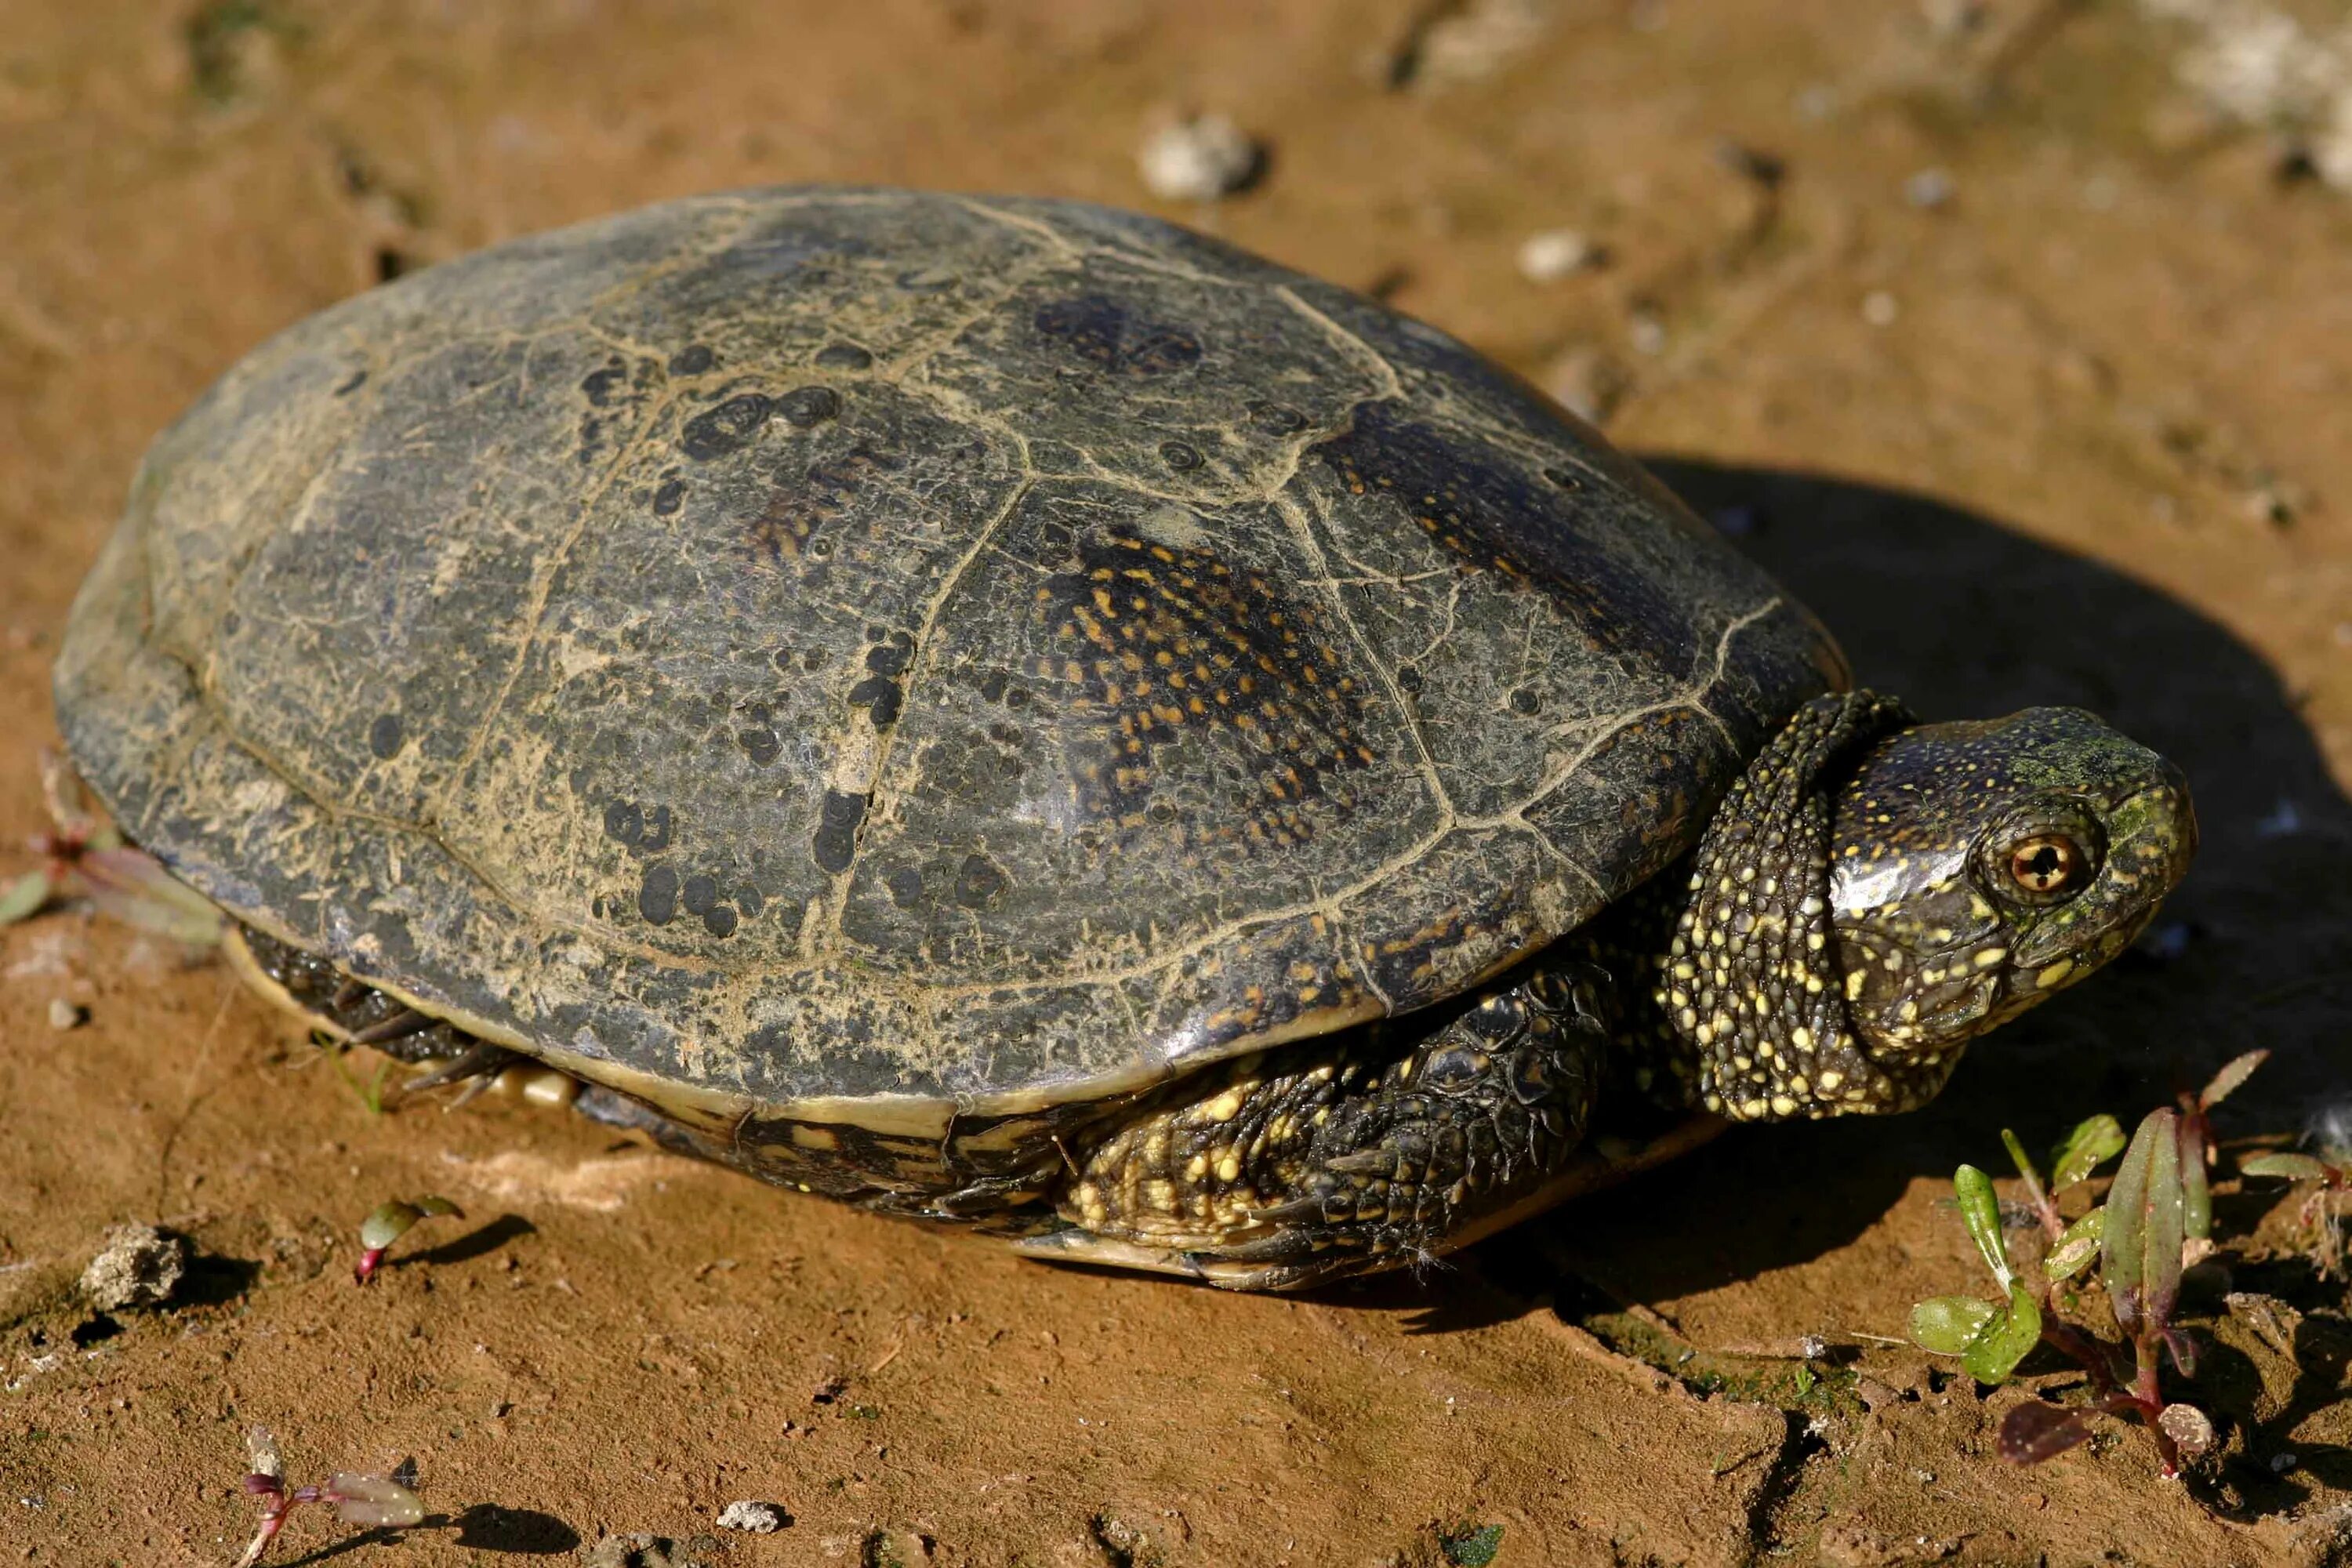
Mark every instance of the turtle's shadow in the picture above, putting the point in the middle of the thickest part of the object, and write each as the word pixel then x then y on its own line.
pixel 1964 618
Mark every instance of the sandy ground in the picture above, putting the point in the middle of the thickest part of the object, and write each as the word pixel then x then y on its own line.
pixel 2076 434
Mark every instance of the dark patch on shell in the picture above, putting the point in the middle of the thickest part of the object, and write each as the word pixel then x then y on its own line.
pixel 835 844
pixel 805 407
pixel 1100 331
pixel 980 882
pixel 715 432
pixel 657 894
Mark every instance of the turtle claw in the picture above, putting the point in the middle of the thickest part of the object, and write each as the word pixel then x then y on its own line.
pixel 1222 1267
pixel 476 1068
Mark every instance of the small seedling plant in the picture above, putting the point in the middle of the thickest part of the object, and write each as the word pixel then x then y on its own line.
pixel 362 1497
pixel 390 1222
pixel 83 858
pixel 2156 1219
pixel 2324 1178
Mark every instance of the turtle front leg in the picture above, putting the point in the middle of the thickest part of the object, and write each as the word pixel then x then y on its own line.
pixel 1350 1154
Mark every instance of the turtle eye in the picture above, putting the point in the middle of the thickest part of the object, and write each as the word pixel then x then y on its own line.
pixel 2046 864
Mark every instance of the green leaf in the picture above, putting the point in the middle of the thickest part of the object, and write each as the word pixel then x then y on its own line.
pixel 2196 1193
pixel 1981 1211
pixel 2024 1162
pixel 2234 1072
pixel 2086 1148
pixel 1945 1324
pixel 24 897
pixel 2139 1251
pixel 2076 1246
pixel 378 1502
pixel 390 1220
pixel 2006 1339
pixel 131 886
pixel 2293 1167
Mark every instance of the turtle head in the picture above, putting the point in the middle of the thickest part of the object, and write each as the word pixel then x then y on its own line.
pixel 1979 869
pixel 1872 894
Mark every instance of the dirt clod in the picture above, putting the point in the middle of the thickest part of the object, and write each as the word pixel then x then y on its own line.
pixel 140 1267
pixel 758 1518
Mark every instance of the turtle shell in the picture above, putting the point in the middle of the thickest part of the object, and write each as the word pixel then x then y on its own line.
pixel 869 655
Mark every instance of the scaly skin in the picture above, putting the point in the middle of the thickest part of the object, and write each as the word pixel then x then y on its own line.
pixel 1868 898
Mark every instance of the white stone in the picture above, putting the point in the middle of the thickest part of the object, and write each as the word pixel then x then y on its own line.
pixel 1197 159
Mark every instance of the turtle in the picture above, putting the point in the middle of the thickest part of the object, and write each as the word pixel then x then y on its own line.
pixel 1009 711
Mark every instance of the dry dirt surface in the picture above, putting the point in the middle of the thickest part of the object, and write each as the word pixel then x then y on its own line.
pixel 2027 368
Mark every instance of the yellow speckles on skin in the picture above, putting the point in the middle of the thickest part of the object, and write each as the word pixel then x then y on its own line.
pixel 1991 956
pixel 1801 1038
pixel 1196 1167
pixel 2055 975
pixel 1855 980
pixel 1783 1106
pixel 1831 1078
pixel 1225 1108
pixel 1228 1168
pixel 1753 1109
pixel 1978 908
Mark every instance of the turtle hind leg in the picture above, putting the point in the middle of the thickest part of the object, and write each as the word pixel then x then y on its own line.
pixel 1348 1155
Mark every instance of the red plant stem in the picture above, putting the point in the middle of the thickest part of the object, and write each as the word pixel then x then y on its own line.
pixel 366 1268
pixel 2147 1400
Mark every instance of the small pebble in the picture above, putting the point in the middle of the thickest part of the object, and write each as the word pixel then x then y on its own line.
pixel 1929 189
pixel 2281 1463
pixel 1199 159
pixel 1647 334
pixel 140 1267
pixel 1879 308
pixel 1949 19
pixel 1817 102
pixel 1587 384
pixel 758 1518
pixel 1554 254
pixel 65 1015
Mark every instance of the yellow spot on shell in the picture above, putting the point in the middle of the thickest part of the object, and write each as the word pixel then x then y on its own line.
pixel 2055 974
